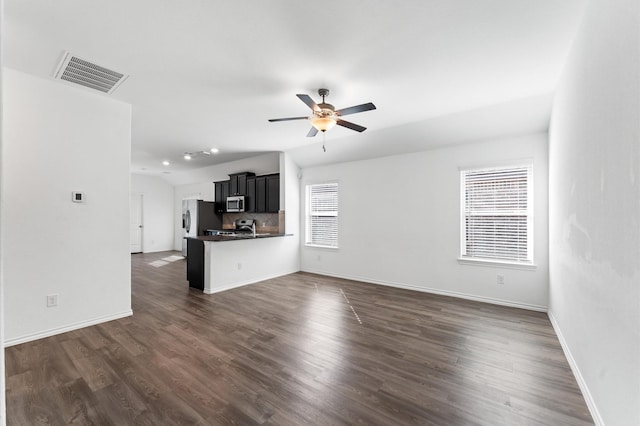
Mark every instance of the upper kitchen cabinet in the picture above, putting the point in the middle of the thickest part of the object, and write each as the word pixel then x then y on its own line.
pixel 273 193
pixel 263 193
pixel 221 192
pixel 238 183
pixel 250 199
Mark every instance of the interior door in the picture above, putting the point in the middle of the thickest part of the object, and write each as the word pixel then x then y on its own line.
pixel 135 218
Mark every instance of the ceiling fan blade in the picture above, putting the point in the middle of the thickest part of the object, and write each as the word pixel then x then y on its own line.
pixel 312 132
pixel 351 126
pixel 310 103
pixel 272 120
pixel 357 108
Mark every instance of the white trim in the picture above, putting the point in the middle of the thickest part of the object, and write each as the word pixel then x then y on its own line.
pixel 307 213
pixel 321 246
pixel 71 327
pixel 459 295
pixel 499 164
pixel 494 263
pixel 591 404
pixel 530 210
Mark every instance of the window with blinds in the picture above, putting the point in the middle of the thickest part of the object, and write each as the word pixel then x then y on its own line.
pixel 497 214
pixel 322 215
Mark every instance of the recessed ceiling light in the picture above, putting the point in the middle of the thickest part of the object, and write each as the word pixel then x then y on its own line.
pixel 187 156
pixel 215 150
pixel 166 163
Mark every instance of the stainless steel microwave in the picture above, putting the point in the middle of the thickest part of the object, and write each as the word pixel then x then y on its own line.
pixel 235 204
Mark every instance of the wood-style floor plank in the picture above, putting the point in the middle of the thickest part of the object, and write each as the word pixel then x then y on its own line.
pixel 299 349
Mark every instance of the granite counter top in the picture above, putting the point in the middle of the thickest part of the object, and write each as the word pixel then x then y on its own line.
pixel 218 238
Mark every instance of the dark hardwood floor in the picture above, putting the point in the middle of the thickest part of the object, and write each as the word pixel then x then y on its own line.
pixel 300 349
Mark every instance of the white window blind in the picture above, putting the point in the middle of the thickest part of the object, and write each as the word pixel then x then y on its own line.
pixel 497 214
pixel 322 215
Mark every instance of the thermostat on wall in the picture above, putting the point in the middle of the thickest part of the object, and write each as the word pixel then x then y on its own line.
pixel 77 197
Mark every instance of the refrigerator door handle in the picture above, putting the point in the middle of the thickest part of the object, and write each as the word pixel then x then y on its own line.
pixel 188 221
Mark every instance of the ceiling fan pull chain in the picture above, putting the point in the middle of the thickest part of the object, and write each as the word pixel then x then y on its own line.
pixel 323 141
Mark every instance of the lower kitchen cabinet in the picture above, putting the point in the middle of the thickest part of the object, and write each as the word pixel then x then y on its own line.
pixel 195 263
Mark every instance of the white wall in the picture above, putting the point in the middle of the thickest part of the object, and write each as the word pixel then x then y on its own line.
pixel 2 385
pixel 290 175
pixel 594 210
pixel 400 223
pixel 260 165
pixel 58 139
pixel 260 259
pixel 157 212
pixel 290 203
pixel 199 183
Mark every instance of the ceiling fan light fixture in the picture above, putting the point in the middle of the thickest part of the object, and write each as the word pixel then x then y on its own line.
pixel 323 123
pixel 324 116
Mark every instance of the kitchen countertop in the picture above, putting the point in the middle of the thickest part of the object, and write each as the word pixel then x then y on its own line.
pixel 218 238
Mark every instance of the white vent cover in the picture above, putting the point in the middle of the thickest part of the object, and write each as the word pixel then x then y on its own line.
pixel 87 74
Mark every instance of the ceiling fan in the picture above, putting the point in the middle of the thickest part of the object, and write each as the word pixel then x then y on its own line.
pixel 325 116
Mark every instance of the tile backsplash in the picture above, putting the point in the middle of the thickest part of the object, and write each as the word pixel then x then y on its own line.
pixel 265 222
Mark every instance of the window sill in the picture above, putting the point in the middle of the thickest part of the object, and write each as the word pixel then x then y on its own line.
pixel 497 264
pixel 320 246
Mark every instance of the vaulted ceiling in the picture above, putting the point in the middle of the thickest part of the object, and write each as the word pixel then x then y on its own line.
pixel 208 73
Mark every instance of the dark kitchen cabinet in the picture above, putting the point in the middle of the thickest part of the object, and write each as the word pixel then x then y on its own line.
pixel 221 192
pixel 261 195
pixel 267 193
pixel 273 193
pixel 238 183
pixel 250 196
pixel 195 263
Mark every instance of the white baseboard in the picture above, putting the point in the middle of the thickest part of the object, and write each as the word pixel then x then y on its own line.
pixel 58 330
pixel 459 295
pixel 593 409
pixel 158 250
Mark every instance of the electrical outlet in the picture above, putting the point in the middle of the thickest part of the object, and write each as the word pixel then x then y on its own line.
pixel 500 279
pixel 52 300
pixel 239 266
pixel 319 258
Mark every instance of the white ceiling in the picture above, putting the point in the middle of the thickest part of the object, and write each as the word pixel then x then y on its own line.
pixel 208 73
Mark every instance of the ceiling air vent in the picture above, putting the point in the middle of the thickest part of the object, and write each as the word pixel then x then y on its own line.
pixel 87 74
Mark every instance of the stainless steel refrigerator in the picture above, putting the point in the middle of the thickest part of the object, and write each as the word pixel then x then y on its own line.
pixel 197 217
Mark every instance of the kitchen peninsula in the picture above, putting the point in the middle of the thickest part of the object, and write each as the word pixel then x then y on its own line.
pixel 218 263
